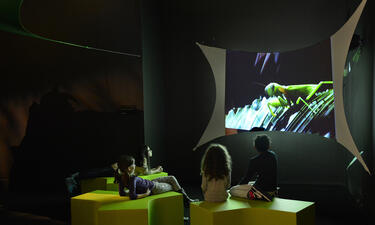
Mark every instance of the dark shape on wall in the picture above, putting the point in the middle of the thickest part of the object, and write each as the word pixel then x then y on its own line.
pixel 60 141
pixel 356 42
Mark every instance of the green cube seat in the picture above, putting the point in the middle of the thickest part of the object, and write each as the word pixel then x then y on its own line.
pixel 238 211
pixel 108 208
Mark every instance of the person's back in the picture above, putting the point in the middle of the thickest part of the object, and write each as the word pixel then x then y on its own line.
pixel 265 166
pixel 215 189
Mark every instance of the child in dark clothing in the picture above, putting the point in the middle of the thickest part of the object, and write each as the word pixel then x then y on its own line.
pixel 140 188
pixel 264 167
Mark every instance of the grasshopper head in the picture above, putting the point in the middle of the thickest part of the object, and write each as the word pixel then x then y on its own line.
pixel 271 89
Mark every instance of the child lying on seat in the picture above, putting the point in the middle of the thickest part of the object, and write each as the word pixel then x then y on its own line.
pixel 140 188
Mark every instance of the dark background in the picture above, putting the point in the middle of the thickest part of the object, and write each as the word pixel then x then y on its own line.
pixel 62 107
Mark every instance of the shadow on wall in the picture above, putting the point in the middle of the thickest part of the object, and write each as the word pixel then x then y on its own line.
pixel 96 82
pixel 60 141
pixel 31 67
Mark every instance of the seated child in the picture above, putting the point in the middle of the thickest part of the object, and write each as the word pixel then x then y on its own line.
pixel 140 188
pixel 263 166
pixel 216 167
pixel 143 162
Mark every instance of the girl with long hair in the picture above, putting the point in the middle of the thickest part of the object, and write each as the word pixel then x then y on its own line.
pixel 216 168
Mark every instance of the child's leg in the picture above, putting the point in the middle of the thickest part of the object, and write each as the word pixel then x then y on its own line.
pixel 162 184
pixel 240 191
pixel 169 180
pixel 161 188
pixel 250 192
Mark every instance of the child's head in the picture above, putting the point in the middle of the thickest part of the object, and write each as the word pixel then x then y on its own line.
pixel 216 162
pixel 126 164
pixel 262 143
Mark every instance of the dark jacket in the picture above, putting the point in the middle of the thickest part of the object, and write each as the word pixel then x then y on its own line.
pixel 264 166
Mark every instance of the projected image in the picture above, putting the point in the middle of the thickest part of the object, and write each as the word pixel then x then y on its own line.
pixel 287 91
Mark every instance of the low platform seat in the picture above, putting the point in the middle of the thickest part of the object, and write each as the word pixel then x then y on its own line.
pixel 237 211
pixel 106 183
pixel 108 208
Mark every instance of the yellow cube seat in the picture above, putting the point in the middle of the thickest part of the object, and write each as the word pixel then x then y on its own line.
pixel 238 211
pixel 106 183
pixel 108 208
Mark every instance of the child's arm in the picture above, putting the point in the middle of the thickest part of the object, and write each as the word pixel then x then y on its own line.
pixel 148 192
pixel 249 174
pixel 229 180
pixel 132 190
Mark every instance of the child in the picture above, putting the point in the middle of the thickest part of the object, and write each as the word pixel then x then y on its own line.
pixel 264 167
pixel 216 167
pixel 144 168
pixel 140 188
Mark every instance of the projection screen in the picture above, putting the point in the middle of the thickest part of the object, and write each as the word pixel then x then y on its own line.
pixel 275 96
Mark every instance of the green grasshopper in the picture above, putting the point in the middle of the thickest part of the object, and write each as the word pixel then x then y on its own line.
pixel 285 96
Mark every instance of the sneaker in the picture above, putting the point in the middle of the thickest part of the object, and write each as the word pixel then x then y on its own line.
pixel 75 177
pixel 186 198
pixel 71 186
pixel 256 194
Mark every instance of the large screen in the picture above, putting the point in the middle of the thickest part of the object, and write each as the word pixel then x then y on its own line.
pixel 280 91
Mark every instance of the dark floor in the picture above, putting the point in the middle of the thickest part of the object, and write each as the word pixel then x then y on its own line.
pixel 341 214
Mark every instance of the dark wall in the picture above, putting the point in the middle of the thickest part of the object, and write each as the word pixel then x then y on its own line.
pixel 153 82
pixel 111 25
pixel 100 81
pixel 372 186
pixel 358 98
